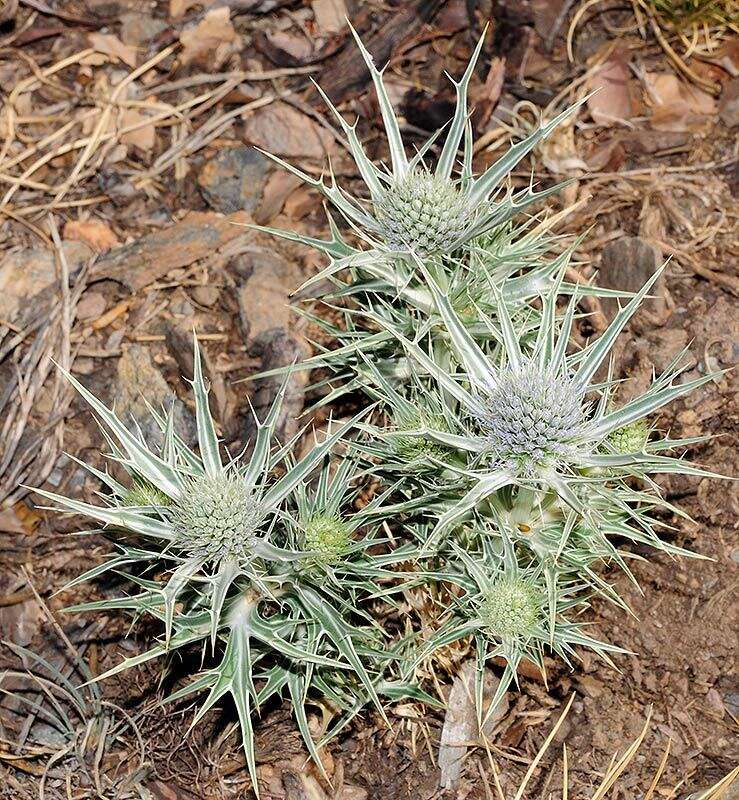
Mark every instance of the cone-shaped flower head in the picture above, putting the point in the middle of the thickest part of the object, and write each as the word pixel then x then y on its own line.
pixel 631 438
pixel 412 448
pixel 422 213
pixel 531 416
pixel 328 536
pixel 510 607
pixel 216 516
pixel 413 209
pixel 539 416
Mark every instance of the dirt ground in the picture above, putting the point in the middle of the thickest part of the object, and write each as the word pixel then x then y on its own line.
pixel 125 156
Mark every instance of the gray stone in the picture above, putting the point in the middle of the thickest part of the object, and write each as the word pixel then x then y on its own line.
pixel 728 105
pixel 140 382
pixel 234 179
pixel 26 275
pixel 264 297
pixel 627 264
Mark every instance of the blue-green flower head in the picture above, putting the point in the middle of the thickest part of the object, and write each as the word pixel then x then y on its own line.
pixel 216 517
pixel 532 416
pixel 510 608
pixel 328 536
pixel 422 213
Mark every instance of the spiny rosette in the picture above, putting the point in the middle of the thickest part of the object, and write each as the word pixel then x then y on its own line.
pixel 328 536
pixel 511 607
pixel 216 517
pixel 422 213
pixel 532 417
pixel 632 438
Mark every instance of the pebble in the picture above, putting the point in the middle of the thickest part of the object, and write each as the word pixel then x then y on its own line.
pixel 91 306
pixel 206 295
pixel 234 179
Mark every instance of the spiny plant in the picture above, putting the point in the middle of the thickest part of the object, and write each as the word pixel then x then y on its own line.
pixel 534 442
pixel 248 558
pixel 466 228
pixel 523 462
pixel 509 473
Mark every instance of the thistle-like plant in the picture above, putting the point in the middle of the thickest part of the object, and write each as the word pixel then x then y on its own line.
pixel 468 230
pixel 248 559
pixel 510 610
pixel 535 417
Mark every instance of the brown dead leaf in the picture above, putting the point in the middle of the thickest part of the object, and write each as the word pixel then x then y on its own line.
pixel 612 102
pixel 676 106
pixel 284 131
pixel 209 43
pixel 113 47
pixel 144 136
pixel 330 15
pixel 93 232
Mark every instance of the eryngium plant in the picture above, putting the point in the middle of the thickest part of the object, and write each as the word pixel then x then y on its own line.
pixel 532 443
pixel 510 609
pixel 247 559
pixel 412 209
pixel 461 225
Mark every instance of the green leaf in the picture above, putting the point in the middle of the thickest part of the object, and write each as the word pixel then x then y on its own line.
pixel 207 437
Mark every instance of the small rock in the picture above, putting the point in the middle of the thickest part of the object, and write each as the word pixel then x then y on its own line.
pixel 26 274
pixel 140 29
pixel 182 307
pixel 84 366
pixel 91 306
pixel 590 686
pixel 285 131
pixel 255 259
pixel 234 179
pixel 279 349
pixel 330 15
pixel 206 295
pixel 140 381
pixel 150 258
pixel 628 264
pixel 728 105
pixel 92 232
pixel 264 296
